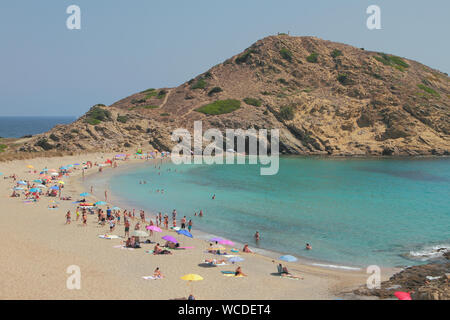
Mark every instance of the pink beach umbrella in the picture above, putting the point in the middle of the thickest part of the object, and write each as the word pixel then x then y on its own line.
pixel 226 242
pixel 403 295
pixel 154 228
pixel 170 239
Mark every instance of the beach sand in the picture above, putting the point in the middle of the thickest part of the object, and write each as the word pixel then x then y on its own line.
pixel 37 248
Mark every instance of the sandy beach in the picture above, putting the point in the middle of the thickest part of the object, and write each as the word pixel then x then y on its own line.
pixel 38 247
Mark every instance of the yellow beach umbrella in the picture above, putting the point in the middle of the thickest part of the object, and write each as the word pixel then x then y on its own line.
pixel 191 277
pixel 30 166
pixel 61 182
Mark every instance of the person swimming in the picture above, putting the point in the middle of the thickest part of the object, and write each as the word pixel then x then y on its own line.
pixel 308 247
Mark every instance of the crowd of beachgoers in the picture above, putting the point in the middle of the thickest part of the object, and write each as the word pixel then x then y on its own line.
pixel 133 228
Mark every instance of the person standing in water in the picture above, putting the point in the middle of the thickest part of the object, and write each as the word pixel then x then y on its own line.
pixel 257 237
pixel 190 225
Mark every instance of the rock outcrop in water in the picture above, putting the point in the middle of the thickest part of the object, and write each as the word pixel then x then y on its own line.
pixel 326 98
pixel 426 282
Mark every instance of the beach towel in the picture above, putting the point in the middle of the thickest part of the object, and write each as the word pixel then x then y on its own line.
pixel 109 237
pixel 290 277
pixel 149 251
pixel 234 250
pixel 232 275
pixel 151 278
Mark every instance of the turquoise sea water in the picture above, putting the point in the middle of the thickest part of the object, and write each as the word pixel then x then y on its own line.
pixel 353 212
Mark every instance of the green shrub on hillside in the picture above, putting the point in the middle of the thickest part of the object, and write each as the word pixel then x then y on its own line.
pixel 220 107
pixel 122 119
pixel 245 57
pixel 312 57
pixel 161 94
pixel 3 147
pixel 253 102
pixel 200 84
pixel 287 112
pixel 214 90
pixel 392 61
pixel 97 114
pixel 336 53
pixel 43 143
pixel 286 54
pixel 429 90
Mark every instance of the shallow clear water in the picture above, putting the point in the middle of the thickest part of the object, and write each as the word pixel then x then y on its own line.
pixel 352 212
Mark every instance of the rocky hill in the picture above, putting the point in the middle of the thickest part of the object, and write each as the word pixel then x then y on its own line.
pixel 326 98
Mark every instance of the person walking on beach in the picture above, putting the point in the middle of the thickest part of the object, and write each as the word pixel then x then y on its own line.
pixel 106 195
pixel 84 219
pixel 190 225
pixel 174 214
pixel 127 228
pixel 183 223
pixel 68 218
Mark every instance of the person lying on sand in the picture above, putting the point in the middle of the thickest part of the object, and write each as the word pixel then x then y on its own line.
pixel 215 261
pixel 171 245
pixel 285 272
pixel 239 272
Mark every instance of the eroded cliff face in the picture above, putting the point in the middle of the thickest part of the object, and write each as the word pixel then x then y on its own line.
pixel 325 97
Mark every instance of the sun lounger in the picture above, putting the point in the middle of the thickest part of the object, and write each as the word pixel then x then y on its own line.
pixel 151 278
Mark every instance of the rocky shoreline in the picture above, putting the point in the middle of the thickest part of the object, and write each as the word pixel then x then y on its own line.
pixel 424 282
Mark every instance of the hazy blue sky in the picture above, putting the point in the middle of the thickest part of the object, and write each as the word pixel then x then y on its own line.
pixel 128 46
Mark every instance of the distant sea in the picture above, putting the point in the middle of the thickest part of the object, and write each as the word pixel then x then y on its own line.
pixel 17 127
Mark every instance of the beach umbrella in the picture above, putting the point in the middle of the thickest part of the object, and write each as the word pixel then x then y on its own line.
pixel 170 239
pixel 23 183
pixel 70 166
pixel 76 164
pixel 100 203
pixel 115 208
pixel 139 233
pixel 61 182
pixel 191 277
pixel 53 170
pixel 54 188
pixel 38 180
pixel 54 174
pixel 235 259
pixel 226 242
pixel 84 194
pixel 33 190
pixel 215 239
pixel 64 168
pixel 44 170
pixel 41 186
pixel 30 166
pixel 403 295
pixel 154 228
pixel 288 258
pixel 18 188
pixel 185 233
pixel 1 174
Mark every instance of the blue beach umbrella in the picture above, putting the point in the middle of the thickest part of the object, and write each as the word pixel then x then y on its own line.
pixel 100 203
pixel 76 164
pixel 288 258
pixel 70 166
pixel 115 208
pixel 64 168
pixel 236 259
pixel 32 190
pixel 84 194
pixel 38 180
pixel 185 233
pixel 1 174
pixel 23 183
pixel 54 188
pixel 18 188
